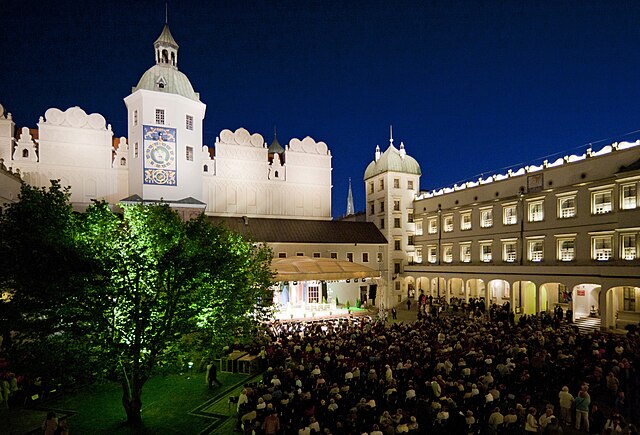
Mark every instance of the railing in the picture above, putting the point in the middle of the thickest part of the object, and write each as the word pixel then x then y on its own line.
pixel 537 256
pixel 510 220
pixel 629 202
pixel 602 208
pixel 629 253
pixel 603 254
pixel 510 257
pixel 568 212
pixel 567 255
pixel 486 223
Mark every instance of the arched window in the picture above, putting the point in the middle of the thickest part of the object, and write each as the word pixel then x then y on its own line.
pixel 123 162
pixel 173 58
pixel 206 168
pixel 165 56
pixel 25 153
pixel 276 173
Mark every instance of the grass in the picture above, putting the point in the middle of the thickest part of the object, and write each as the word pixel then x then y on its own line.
pixel 173 404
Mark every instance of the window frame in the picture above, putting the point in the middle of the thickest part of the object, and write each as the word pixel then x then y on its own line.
pixel 604 207
pixel 447 253
pixel 507 217
pixel 535 250
pixel 602 253
pixel 624 203
pixel 566 254
pixel 465 252
pixel 572 211
pixel 486 217
pixel 507 255
pixel 188 122
pixel 532 214
pixel 466 220
pixel 160 116
pixel 628 253
pixel 486 255
pixel 447 223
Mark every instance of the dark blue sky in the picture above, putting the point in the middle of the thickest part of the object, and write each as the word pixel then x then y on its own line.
pixel 470 86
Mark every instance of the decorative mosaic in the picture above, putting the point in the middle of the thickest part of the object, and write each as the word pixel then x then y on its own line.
pixel 160 156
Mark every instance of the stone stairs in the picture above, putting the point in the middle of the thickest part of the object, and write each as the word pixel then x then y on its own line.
pixel 587 325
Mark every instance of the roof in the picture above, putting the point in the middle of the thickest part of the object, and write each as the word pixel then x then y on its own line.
pixel 188 201
pixel 275 146
pixel 392 161
pixel 175 81
pixel 632 167
pixel 303 231
pixel 166 38
pixel 306 269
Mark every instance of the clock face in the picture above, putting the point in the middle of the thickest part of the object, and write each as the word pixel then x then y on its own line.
pixel 159 154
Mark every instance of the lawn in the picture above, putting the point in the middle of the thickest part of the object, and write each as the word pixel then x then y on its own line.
pixel 173 404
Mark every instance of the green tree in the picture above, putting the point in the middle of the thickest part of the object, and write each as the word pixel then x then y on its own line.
pixel 140 283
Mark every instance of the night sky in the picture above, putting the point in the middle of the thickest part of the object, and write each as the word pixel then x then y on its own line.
pixel 470 87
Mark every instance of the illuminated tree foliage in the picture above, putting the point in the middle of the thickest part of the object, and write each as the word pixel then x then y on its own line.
pixel 134 286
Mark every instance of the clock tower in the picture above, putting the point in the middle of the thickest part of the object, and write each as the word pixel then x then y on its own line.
pixel 165 119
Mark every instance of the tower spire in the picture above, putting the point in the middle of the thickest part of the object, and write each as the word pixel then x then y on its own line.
pixel 166 12
pixel 391 135
pixel 350 207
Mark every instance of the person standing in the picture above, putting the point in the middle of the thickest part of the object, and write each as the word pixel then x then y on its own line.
pixel 409 304
pixel 582 410
pixel 50 424
pixel 566 402
pixel 271 424
pixel 212 375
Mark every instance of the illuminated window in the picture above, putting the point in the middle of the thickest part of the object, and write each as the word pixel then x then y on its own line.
pixel 601 202
pixel 397 244
pixel 509 253
pixel 410 184
pixel 396 183
pixel 448 224
pixel 485 251
pixel 567 249
pixel 433 226
pixel 432 254
pixel 418 228
pixel 313 294
pixel 365 257
pixel 418 255
pixel 486 218
pixel 189 122
pixel 536 250
pixel 447 253
pixel 465 252
pixel 629 246
pixel 189 154
pixel 160 116
pixel 567 207
pixel 510 214
pixel 396 205
pixel 629 298
pixel 601 247
pixel 465 220
pixel 629 197
pixel 536 211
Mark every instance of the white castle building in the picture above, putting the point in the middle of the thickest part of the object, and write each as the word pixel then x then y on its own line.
pixel 560 233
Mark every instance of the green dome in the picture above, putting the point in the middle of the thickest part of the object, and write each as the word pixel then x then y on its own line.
pixel 392 161
pixel 173 81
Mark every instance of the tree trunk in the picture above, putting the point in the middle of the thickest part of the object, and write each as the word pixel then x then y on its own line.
pixel 132 402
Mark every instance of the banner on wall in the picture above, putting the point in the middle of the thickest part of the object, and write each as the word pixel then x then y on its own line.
pixel 160 156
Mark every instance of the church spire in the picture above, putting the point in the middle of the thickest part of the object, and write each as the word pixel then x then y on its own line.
pixel 350 207
pixel 166 48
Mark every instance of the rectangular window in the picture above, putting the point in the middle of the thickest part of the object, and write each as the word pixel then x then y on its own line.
pixel 350 257
pixel 465 220
pixel 629 196
pixel 566 249
pixel 397 245
pixel 448 224
pixel 396 183
pixel 465 253
pixel 313 294
pixel 299 254
pixel 396 223
pixel 411 240
pixel 629 245
pixel 601 202
pixel 371 187
pixel 135 117
pixel 282 255
pixel 536 250
pixel 382 224
pixel 397 287
pixel 365 257
pixel 418 255
pixel 316 255
pixel 160 116
pixel 189 122
pixel 381 184
pixel 486 218
pixel 135 150
pixel 433 226
pixel 485 252
pixel 381 206
pixel 629 298
pixel 536 211
pixel 333 255
pixel 189 153
pixel 419 228
pixel 410 184
pixel 379 257
pixel 601 248
pixel 566 207
pixel 396 205
pixel 447 253
pixel 396 268
pixel 372 208
pixel 410 216
pixel 510 214
pixel 432 253
pixel 509 253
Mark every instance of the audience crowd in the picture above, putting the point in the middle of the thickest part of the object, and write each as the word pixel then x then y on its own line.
pixel 464 372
